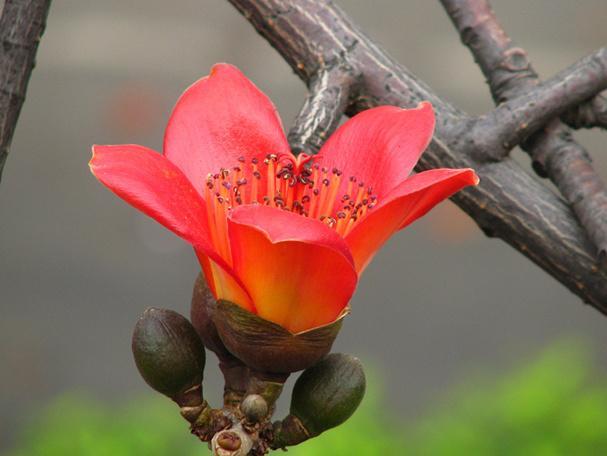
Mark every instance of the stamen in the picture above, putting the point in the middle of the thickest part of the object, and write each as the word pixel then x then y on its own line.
pixel 271 177
pixel 296 185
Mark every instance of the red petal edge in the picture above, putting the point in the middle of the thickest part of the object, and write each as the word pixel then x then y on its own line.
pixel 219 119
pixel 149 182
pixel 405 204
pixel 379 146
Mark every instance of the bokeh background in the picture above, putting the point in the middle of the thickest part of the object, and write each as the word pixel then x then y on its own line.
pixel 439 304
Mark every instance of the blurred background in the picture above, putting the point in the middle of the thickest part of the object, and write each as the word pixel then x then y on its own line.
pixel 446 319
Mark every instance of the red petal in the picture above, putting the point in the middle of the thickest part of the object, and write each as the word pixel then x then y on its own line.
pixel 380 146
pixel 405 204
pixel 149 182
pixel 218 119
pixel 298 272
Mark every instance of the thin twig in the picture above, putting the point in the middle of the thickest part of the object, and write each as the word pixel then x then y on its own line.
pixel 554 152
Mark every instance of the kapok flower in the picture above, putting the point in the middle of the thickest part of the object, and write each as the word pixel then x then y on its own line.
pixel 281 236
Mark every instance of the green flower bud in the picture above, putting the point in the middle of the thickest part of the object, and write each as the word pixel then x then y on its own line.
pixel 328 393
pixel 169 355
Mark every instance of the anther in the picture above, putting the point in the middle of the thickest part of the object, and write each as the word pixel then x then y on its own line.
pixel 304 187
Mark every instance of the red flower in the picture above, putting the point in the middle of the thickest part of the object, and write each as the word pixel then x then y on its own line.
pixel 282 236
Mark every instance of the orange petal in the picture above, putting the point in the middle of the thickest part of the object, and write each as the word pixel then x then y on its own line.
pixel 298 272
pixel 224 284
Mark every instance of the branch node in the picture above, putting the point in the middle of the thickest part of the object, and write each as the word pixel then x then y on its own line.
pixel 515 59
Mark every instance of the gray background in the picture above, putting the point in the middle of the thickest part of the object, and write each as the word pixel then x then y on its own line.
pixel 77 265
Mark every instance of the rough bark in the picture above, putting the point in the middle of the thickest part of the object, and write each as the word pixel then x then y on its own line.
pixel 315 37
pixel 21 27
pixel 553 150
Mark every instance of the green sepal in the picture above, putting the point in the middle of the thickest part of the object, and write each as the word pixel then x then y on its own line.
pixel 267 347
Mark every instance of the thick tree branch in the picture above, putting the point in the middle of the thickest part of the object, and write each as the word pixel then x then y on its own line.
pixel 553 150
pixel 508 203
pixel 21 26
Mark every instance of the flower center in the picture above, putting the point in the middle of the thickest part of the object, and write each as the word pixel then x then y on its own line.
pixel 298 185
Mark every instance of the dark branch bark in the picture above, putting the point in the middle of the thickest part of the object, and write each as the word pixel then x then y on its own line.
pixel 328 97
pixel 553 150
pixel 508 203
pixel 517 118
pixel 591 114
pixel 21 26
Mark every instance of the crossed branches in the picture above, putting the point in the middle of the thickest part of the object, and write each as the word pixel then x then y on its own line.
pixel 554 152
pixel 346 72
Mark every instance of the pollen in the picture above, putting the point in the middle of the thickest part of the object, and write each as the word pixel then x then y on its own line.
pixel 296 185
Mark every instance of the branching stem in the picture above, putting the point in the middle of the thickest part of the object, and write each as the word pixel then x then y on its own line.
pixel 554 152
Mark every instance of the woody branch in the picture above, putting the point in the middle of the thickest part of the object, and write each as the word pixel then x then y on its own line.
pixel 553 150
pixel 315 36
pixel 21 27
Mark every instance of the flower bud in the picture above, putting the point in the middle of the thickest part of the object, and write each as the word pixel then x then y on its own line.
pixel 324 396
pixel 169 355
pixel 254 407
pixel 265 346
